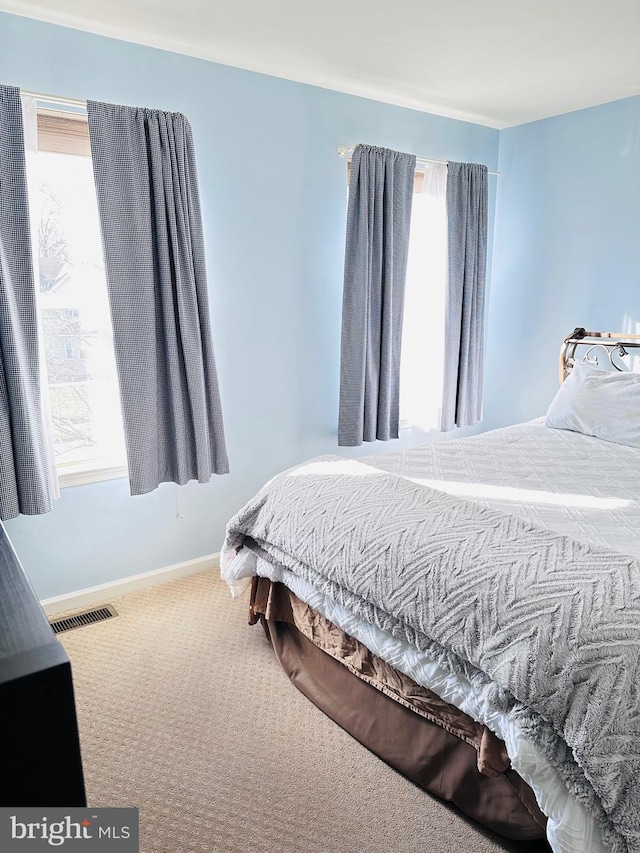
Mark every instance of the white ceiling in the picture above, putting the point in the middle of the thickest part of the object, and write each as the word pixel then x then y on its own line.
pixel 495 62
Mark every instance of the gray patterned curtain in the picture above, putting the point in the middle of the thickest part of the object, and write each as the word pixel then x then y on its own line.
pixel 378 217
pixel 25 473
pixel 464 318
pixel 145 175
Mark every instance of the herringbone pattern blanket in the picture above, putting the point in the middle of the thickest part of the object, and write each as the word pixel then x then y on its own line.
pixel 547 626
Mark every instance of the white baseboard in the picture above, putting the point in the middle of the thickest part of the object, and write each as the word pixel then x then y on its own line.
pixel 102 593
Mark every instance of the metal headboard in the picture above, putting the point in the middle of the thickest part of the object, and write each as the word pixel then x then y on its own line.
pixel 614 344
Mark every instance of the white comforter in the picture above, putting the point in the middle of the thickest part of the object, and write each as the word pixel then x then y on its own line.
pixel 570 483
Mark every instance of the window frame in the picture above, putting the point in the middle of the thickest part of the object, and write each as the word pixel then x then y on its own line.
pixel 64 132
pixel 88 471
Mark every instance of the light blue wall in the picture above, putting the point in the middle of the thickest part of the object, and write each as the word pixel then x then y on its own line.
pixel 274 204
pixel 566 250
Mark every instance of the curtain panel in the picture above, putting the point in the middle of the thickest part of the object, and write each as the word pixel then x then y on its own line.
pixel 25 473
pixel 148 202
pixel 464 311
pixel 377 245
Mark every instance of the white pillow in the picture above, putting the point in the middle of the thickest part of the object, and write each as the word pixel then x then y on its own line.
pixel 598 402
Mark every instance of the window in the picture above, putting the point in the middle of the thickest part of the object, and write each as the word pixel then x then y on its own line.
pixel 422 359
pixel 73 306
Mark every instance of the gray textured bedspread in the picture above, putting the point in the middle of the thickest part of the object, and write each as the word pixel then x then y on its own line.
pixel 547 626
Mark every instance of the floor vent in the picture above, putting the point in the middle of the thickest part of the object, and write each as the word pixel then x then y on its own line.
pixel 88 617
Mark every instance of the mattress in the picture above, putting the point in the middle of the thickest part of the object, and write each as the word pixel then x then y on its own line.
pixel 569 483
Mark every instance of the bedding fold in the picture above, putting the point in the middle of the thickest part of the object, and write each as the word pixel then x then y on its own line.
pixel 546 626
pixel 277 603
pixel 410 743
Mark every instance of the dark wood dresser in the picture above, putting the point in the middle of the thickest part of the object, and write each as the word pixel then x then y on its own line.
pixel 40 762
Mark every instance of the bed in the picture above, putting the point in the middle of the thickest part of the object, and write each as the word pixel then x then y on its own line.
pixel 408 688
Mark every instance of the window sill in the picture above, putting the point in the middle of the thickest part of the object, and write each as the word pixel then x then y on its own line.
pixel 80 476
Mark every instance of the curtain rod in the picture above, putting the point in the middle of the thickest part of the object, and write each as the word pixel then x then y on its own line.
pixel 55 99
pixel 345 150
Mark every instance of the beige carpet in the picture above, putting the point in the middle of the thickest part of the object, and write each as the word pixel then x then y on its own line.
pixel 185 713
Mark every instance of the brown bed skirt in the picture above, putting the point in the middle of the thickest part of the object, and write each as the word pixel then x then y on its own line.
pixel 405 725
